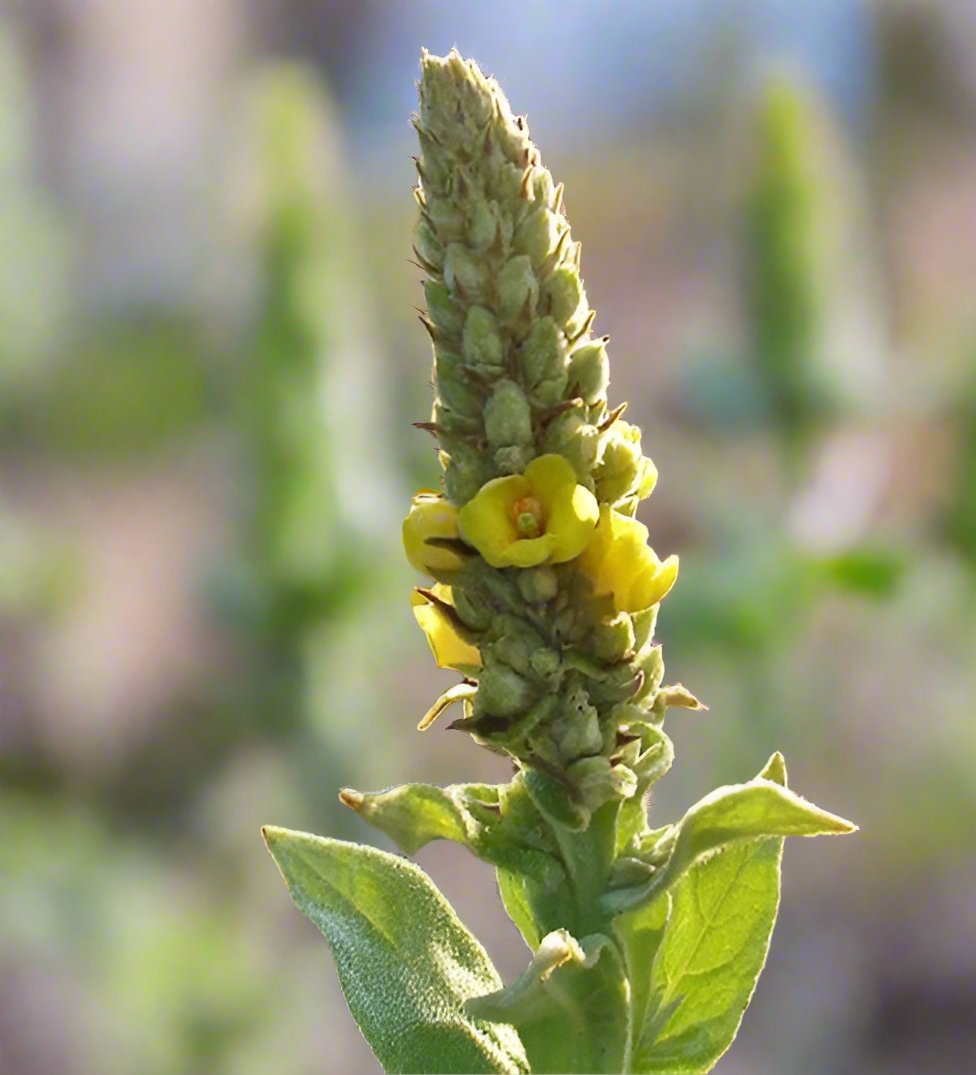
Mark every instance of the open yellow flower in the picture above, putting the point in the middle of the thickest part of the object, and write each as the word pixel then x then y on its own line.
pixel 430 516
pixel 537 517
pixel 450 650
pixel 620 564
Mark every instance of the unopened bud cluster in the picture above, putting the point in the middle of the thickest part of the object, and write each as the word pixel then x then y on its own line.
pixel 546 590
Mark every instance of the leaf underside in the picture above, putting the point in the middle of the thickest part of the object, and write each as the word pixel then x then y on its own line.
pixel 405 962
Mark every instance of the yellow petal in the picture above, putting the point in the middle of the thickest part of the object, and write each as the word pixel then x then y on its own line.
pixel 527 552
pixel 486 521
pixel 571 511
pixel 430 516
pixel 591 559
pixel 652 584
pixel 548 475
pixel 620 564
pixel 450 650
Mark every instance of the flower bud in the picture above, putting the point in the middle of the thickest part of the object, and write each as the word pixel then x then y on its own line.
pixel 502 692
pixel 542 355
pixel 482 224
pixel 517 287
pixel 482 343
pixel 613 639
pixel 650 661
pixel 465 273
pixel 622 468
pixel 565 294
pixel 447 218
pixel 589 370
pixel 538 584
pixel 453 424
pixel 546 663
pixel 465 472
pixel 644 623
pixel 538 234
pixel 508 419
pixel 447 316
pixel 452 388
pixel 577 440
pixel 427 245
pixel 513 458
pixel 430 516
pixel 515 642
pixel 471 608
pixel 578 733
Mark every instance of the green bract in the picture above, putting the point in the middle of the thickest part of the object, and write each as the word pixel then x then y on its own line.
pixel 646 942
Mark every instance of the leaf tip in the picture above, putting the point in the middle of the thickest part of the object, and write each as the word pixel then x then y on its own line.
pixel 775 769
pixel 352 798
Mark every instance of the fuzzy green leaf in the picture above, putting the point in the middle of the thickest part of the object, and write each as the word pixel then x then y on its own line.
pixel 709 959
pixel 640 933
pixel 405 962
pixel 484 818
pixel 571 1006
pixel 762 807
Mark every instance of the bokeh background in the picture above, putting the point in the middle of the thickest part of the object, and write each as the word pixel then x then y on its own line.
pixel 209 363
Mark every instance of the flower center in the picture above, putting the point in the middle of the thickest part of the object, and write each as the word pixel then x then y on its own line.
pixel 527 516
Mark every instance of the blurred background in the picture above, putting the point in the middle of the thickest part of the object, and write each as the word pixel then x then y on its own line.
pixel 209 363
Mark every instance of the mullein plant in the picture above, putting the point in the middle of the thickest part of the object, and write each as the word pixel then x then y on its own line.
pixel 542 593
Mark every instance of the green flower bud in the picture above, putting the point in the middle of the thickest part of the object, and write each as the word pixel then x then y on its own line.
pixel 538 235
pixel 577 731
pixel 572 436
pixel 508 419
pixel 589 370
pixel 515 643
pixel 465 473
pixel 447 219
pixel 471 609
pixel 567 302
pixel 502 692
pixel 452 388
pixel 538 584
pixel 427 245
pixel 453 424
pixel 518 289
pixel 546 663
pixel 482 224
pixel 482 343
pixel 650 661
pixel 622 468
pixel 614 638
pixel 542 186
pixel 644 623
pixel 513 459
pixel 465 273
pixel 447 316
pixel 542 356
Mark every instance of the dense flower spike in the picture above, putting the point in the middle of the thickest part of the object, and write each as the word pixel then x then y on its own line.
pixel 552 585
pixel 545 602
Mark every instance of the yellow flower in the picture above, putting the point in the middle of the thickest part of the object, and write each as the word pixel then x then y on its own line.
pixel 538 517
pixel 450 650
pixel 430 516
pixel 620 563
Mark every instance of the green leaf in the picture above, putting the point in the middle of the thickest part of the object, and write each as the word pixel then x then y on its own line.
pixel 709 959
pixel 405 962
pixel 694 954
pixel 571 1006
pixel 641 932
pixel 762 807
pixel 499 824
pixel 519 895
